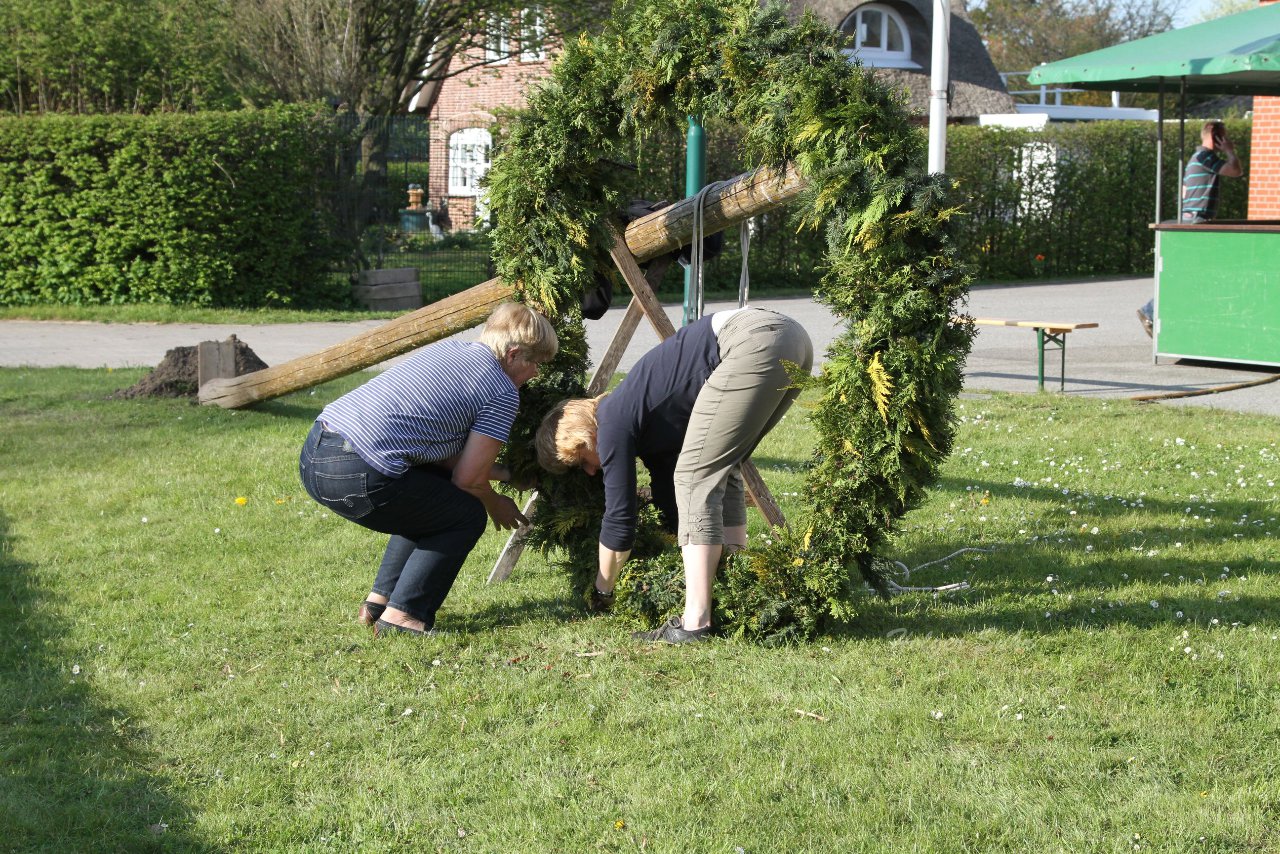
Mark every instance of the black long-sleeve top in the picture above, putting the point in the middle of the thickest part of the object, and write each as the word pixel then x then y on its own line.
pixel 646 418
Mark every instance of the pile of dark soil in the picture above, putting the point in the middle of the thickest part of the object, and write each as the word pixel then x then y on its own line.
pixel 177 375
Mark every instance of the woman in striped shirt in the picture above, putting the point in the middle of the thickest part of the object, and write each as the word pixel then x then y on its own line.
pixel 411 453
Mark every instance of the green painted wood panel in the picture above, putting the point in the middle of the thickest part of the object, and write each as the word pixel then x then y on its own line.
pixel 1218 295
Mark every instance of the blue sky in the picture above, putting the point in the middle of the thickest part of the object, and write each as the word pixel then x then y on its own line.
pixel 1190 11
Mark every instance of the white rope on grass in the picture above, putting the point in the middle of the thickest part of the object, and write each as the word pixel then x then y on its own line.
pixel 894 587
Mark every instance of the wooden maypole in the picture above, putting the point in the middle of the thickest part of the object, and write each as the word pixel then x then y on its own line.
pixel 656 234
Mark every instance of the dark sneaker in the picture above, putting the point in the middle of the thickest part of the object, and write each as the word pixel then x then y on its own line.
pixel 599 602
pixel 1146 323
pixel 673 631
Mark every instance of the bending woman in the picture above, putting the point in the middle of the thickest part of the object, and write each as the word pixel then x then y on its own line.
pixel 411 454
pixel 691 410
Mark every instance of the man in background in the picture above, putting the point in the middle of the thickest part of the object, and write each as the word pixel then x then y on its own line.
pixel 1214 158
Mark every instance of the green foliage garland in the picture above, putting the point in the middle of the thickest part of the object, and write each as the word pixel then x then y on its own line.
pixel 885 419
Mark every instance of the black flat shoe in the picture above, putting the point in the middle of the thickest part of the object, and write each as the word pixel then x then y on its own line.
pixel 370 612
pixel 382 627
pixel 673 631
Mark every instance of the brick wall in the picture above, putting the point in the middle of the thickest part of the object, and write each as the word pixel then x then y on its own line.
pixel 469 100
pixel 1264 166
pixel 1264 162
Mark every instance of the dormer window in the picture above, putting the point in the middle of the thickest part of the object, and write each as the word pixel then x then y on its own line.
pixel 878 37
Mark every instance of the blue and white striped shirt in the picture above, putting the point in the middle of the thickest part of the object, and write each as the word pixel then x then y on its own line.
pixel 422 410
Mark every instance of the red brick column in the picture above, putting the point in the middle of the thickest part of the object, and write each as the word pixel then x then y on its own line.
pixel 1264 158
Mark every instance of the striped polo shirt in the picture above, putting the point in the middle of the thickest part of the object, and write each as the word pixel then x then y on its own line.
pixel 422 410
pixel 1200 183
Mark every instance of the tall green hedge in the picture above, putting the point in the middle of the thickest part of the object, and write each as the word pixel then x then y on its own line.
pixel 218 209
pixel 1072 199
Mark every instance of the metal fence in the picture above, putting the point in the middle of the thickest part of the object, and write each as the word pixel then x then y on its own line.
pixel 383 159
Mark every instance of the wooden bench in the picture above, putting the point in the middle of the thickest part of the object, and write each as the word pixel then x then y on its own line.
pixel 1050 332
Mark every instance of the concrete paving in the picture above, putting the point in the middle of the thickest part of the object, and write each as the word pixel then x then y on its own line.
pixel 1113 361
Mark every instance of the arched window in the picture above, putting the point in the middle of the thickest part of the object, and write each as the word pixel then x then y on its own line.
pixel 468 160
pixel 878 37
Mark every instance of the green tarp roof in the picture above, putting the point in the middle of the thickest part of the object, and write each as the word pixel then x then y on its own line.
pixel 1235 55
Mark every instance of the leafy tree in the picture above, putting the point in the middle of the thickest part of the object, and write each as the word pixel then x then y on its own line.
pixel 104 56
pixel 1222 8
pixel 1021 34
pixel 374 57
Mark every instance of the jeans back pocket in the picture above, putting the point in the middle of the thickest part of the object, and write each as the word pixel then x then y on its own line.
pixel 344 494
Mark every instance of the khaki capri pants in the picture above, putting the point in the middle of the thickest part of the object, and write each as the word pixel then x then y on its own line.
pixel 742 400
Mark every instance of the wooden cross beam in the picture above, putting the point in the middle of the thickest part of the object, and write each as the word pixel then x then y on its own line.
pixel 646 238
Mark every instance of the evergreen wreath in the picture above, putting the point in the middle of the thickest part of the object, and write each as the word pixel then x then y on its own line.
pixel 885 418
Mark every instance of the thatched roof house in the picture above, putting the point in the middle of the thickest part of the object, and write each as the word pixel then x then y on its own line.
pixel 895 37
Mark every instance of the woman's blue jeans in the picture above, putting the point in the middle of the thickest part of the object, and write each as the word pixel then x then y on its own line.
pixel 433 524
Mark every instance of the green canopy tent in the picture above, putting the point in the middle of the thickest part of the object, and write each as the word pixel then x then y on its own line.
pixel 1235 55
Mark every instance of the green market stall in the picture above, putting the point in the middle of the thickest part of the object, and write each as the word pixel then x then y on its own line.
pixel 1217 283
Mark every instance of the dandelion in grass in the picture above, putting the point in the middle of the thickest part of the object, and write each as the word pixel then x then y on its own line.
pixel 241 501
pixel 619 824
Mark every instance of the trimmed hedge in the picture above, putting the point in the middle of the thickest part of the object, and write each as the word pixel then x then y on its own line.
pixel 215 209
pixel 232 209
pixel 1072 199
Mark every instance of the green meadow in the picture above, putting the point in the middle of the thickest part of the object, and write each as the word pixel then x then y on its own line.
pixel 181 670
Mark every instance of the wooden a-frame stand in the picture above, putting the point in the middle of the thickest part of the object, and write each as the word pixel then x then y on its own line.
pixel 644 303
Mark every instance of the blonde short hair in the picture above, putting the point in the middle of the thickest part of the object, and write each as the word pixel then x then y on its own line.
pixel 514 324
pixel 567 430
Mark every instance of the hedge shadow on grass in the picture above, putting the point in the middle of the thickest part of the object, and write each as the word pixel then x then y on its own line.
pixel 74 777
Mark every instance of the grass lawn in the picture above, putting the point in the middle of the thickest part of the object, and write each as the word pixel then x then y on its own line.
pixel 181 670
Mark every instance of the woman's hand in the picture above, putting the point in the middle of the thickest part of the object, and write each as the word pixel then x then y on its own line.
pixel 505 513
pixel 471 474
pixel 609 568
